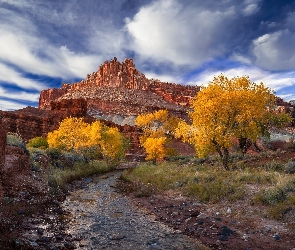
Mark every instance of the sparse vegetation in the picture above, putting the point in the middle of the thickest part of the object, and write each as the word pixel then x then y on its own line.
pixel 59 178
pixel 61 167
pixel 14 139
pixel 205 180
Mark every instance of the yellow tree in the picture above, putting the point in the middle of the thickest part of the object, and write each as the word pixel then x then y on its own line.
pixel 155 148
pixel 113 143
pixel 157 128
pixel 90 139
pixel 225 110
pixel 72 134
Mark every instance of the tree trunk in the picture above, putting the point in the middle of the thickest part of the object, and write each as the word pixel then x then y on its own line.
pixel 225 158
pixel 223 155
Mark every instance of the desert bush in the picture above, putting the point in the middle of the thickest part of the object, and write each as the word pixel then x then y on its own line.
pixel 38 142
pixel 281 209
pixel 273 196
pixel 36 156
pixel 274 166
pixel 290 167
pixel 54 153
pixel 14 139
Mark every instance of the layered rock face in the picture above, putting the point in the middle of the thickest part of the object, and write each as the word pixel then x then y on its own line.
pixel 31 122
pixel 119 88
pixel 2 156
pixel 2 145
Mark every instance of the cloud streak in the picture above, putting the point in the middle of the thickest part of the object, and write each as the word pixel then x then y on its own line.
pixel 177 41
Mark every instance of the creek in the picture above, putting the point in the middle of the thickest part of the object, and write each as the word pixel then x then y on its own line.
pixel 100 217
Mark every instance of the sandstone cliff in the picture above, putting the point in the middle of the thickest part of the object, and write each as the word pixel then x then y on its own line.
pixel 119 88
pixel 2 156
pixel 30 122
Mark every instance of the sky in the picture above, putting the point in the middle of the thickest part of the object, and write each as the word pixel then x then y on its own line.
pixel 44 43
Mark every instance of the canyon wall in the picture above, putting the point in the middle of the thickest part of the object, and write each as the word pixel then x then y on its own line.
pixel 31 122
pixel 2 156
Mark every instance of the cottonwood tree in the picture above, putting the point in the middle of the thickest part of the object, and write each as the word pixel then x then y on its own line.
pixel 226 110
pixel 157 129
pixel 90 139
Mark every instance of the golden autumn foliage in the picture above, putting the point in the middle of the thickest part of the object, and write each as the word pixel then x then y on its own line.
pixel 157 128
pixel 229 109
pixel 95 138
pixel 155 148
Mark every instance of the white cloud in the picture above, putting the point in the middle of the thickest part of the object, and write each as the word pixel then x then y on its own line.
pixel 15 78
pixel 168 31
pixel 10 105
pixel 73 64
pixel 37 56
pixel 163 78
pixel 240 58
pixel 251 9
pixel 108 42
pixel 19 95
pixel 275 51
pixel 275 81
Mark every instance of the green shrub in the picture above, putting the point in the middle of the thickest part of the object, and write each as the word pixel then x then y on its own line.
pixel 38 142
pixel 273 196
pixel 35 155
pixel 53 153
pixel 14 139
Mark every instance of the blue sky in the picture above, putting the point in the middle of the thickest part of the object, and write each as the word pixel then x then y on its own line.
pixel 44 43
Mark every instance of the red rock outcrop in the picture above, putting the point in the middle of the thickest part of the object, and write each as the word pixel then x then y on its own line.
pixel 2 145
pixel 120 76
pixel 30 122
pixel 2 156
pixel 47 96
pixel 17 165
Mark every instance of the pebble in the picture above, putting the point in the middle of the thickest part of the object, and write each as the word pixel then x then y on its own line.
pixel 276 237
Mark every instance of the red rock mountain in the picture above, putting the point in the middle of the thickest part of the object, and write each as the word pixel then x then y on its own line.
pixel 120 89
pixel 116 94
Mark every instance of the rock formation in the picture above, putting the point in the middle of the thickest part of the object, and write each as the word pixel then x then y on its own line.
pixel 30 122
pixel 119 88
pixel 2 156
pixel 115 94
